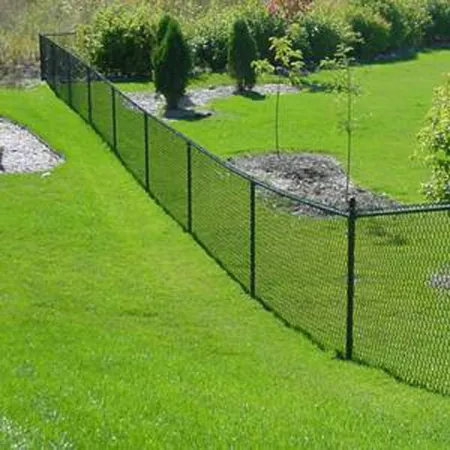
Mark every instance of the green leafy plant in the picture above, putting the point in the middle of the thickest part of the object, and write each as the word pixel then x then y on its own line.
pixel 289 63
pixel 439 28
pixel 241 53
pixel 434 145
pixel 346 87
pixel 372 30
pixel 172 65
pixel 119 41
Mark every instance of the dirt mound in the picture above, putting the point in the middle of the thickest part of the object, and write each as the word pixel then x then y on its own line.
pixel 318 178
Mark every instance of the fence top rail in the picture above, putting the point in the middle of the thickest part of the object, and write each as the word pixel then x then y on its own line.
pixel 407 209
pixel 62 33
pixel 326 208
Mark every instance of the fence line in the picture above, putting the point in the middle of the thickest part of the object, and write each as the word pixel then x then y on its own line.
pixel 372 285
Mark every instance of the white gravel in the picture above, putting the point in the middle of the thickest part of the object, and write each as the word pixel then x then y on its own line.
pixel 21 151
pixel 196 98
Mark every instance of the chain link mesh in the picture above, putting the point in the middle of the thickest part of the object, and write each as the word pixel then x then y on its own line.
pixel 402 301
pixel 301 270
pixel 168 169
pixel 130 136
pixel 220 210
pixel 102 117
pixel 79 87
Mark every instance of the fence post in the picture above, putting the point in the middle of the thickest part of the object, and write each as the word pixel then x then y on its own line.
pixel 88 76
pixel 53 59
pixel 114 121
pixel 146 153
pixel 69 77
pixel 42 58
pixel 189 186
pixel 350 277
pixel 252 234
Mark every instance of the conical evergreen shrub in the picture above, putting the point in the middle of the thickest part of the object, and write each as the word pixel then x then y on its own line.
pixel 241 53
pixel 172 65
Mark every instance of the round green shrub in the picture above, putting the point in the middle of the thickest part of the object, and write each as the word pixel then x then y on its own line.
pixel 119 42
pixel 209 41
pixel 439 28
pixel 372 32
pixel 408 20
pixel 263 26
pixel 241 53
pixel 320 34
pixel 172 65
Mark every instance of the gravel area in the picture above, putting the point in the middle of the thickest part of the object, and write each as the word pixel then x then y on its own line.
pixel 318 178
pixel 198 98
pixel 21 151
pixel 20 76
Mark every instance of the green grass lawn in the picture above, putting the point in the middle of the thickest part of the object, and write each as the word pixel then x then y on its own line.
pixel 391 111
pixel 116 330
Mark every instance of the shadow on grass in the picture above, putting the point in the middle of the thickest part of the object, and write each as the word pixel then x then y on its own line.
pixel 188 115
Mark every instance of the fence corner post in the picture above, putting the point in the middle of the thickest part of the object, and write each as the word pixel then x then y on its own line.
pixel 351 236
pixel 89 96
pixel 189 186
pixel 42 58
pixel 114 119
pixel 146 154
pixel 69 78
pixel 252 236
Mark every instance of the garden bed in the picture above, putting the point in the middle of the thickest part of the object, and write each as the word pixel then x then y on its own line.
pixel 315 177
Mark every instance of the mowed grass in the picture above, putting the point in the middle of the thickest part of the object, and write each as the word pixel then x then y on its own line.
pixel 391 111
pixel 118 331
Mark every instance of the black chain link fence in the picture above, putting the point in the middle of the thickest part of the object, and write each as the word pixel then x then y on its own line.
pixel 374 286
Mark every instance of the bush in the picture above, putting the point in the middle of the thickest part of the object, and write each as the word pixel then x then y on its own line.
pixel 209 35
pixel 209 41
pixel 264 26
pixel 408 19
pixel 434 140
pixel 172 65
pixel 372 32
pixel 439 28
pixel 119 41
pixel 320 33
pixel 241 53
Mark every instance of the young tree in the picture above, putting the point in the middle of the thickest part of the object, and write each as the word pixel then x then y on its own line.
pixel 289 63
pixel 346 88
pixel 241 53
pixel 434 145
pixel 172 65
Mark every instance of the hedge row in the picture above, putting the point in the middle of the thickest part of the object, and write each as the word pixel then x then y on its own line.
pixel 120 39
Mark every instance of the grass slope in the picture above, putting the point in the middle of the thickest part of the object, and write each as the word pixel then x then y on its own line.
pixel 117 330
pixel 391 111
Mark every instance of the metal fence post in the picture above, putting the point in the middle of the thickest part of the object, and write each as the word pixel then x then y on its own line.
pixel 189 186
pixel 42 58
pixel 252 235
pixel 146 153
pixel 114 119
pixel 69 77
pixel 53 59
pixel 89 76
pixel 350 277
